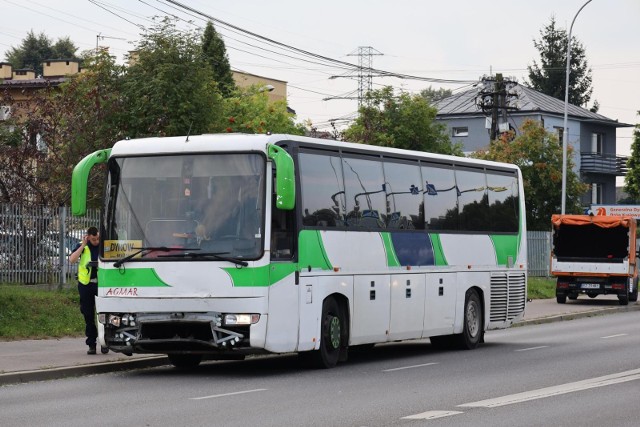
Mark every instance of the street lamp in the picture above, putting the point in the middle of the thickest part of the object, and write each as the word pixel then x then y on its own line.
pixel 565 133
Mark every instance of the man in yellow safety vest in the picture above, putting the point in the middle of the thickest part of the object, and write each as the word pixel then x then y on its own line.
pixel 87 253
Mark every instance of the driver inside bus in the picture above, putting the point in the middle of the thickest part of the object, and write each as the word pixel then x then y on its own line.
pixel 230 211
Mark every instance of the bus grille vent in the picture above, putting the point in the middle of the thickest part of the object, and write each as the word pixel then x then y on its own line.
pixel 508 296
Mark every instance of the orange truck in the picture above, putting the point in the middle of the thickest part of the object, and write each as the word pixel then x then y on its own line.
pixel 594 255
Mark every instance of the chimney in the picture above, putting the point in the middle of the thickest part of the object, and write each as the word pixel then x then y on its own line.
pixel 6 71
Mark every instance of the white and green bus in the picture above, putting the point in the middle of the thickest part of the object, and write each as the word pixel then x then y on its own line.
pixel 219 246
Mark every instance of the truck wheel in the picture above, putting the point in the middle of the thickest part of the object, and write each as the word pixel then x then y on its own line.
pixel 623 299
pixel 561 299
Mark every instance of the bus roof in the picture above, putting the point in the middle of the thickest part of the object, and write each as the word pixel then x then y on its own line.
pixel 238 142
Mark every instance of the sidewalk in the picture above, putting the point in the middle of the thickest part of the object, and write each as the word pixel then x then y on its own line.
pixel 38 360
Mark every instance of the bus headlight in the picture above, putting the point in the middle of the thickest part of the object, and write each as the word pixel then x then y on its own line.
pixel 240 319
pixel 114 320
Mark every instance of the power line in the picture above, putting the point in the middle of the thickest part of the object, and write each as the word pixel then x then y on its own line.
pixel 311 54
pixel 113 13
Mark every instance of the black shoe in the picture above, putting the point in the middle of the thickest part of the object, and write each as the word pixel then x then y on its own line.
pixel 104 350
pixel 92 349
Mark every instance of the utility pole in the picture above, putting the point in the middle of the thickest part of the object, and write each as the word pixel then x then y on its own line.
pixel 495 105
pixel 494 100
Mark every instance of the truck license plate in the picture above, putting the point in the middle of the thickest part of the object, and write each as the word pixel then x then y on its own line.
pixel 590 286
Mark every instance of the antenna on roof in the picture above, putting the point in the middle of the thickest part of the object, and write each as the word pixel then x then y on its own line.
pixel 189 132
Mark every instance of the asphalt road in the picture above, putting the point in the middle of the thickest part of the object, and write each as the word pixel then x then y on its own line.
pixel 585 372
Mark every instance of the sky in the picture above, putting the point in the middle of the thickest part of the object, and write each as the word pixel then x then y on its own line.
pixel 459 40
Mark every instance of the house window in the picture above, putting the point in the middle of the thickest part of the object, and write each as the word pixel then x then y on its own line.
pixel 597 143
pixel 560 133
pixel 5 112
pixel 460 131
pixel 596 193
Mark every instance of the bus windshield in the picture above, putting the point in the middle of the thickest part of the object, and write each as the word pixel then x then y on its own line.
pixel 208 202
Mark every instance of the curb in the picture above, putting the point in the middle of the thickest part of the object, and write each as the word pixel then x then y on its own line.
pixel 82 370
pixel 578 315
pixel 155 361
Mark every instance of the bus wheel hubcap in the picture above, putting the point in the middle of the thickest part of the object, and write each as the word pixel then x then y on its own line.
pixel 334 332
pixel 472 319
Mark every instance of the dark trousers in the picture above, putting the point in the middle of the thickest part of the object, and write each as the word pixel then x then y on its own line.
pixel 88 293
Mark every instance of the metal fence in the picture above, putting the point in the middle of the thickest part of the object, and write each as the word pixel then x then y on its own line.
pixel 539 252
pixel 35 243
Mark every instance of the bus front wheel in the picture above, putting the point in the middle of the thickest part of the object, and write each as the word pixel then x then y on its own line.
pixel 332 337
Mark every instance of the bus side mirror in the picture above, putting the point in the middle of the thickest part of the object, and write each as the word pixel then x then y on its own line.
pixel 80 177
pixel 285 177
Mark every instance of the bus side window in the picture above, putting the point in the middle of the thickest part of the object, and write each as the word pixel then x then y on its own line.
pixel 281 233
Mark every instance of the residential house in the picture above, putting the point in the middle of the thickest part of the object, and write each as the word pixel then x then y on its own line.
pixel 276 89
pixel 20 84
pixel 469 116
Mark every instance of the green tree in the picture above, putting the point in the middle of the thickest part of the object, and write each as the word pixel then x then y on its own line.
pixel 405 121
pixel 171 89
pixel 632 179
pixel 35 49
pixel 549 76
pixel 539 156
pixel 215 52
pixel 434 95
pixel 249 110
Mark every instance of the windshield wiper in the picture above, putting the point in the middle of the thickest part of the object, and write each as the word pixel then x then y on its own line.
pixel 214 255
pixel 149 249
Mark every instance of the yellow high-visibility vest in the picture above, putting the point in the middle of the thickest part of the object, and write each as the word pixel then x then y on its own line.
pixel 84 271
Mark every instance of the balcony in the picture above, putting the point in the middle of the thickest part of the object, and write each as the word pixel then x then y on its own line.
pixel 609 164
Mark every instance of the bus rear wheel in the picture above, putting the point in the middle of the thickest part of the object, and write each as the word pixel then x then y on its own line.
pixel 332 337
pixel 473 328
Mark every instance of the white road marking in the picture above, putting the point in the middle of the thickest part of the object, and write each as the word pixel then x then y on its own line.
pixel 410 367
pixel 556 390
pixel 533 348
pixel 228 394
pixel 430 415
pixel 614 336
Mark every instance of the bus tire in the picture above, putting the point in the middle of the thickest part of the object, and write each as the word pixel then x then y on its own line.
pixel 332 338
pixel 185 361
pixel 473 323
